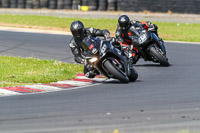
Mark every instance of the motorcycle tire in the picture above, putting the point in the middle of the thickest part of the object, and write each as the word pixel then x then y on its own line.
pixel 118 75
pixel 133 76
pixel 136 60
pixel 154 51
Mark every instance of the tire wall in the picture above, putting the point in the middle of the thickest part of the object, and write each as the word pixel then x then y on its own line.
pixel 67 4
pixel 76 4
pixel 21 3
pixel 102 5
pixel 29 4
pixel 43 3
pixel 93 5
pixel 176 6
pixel 60 4
pixel 36 4
pixel 5 3
pixel 52 4
pixel 13 4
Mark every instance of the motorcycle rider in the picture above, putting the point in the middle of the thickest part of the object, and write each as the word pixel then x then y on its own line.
pixel 124 34
pixel 79 32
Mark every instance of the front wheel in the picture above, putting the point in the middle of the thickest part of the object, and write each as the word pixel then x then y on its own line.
pixel 134 75
pixel 158 55
pixel 115 72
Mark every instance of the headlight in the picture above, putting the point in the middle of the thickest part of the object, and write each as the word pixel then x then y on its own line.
pixel 93 59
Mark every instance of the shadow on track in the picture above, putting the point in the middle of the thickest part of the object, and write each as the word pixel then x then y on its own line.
pixel 151 65
pixel 118 82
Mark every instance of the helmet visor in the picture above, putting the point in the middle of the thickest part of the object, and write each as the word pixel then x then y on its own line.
pixel 78 33
pixel 124 26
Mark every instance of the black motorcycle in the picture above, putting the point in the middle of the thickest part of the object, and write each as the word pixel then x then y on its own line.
pixel 103 57
pixel 150 48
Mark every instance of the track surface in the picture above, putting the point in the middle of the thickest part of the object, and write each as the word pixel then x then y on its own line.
pixel 162 99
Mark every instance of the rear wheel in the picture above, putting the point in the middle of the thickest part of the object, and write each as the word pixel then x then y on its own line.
pixel 159 55
pixel 116 73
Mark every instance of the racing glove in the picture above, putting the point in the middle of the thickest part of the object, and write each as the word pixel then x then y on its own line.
pixel 79 59
pixel 107 37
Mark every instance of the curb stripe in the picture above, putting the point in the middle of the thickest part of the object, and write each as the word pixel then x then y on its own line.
pixel 31 89
pixel 76 83
pixel 61 85
pixel 16 89
pixel 85 80
pixel 80 74
pixel 7 92
pixel 22 89
pixel 80 82
pixel 43 87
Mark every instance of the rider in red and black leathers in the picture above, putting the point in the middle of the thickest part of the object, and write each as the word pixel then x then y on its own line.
pixel 125 34
pixel 79 32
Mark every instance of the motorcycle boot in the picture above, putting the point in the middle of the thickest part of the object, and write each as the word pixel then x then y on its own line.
pixel 134 56
pixel 162 45
pixel 89 71
pixel 90 74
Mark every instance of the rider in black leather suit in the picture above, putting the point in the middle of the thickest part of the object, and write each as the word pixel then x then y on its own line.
pixel 79 32
pixel 124 33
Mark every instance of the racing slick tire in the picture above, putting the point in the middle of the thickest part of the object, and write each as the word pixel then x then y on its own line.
pixel 115 72
pixel 134 75
pixel 157 53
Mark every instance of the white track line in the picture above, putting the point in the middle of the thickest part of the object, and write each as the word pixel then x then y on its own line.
pixel 4 92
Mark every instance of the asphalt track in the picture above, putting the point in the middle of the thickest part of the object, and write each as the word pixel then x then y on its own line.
pixel 162 99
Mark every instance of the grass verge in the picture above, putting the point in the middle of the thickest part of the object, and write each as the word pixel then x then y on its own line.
pixel 167 31
pixel 20 71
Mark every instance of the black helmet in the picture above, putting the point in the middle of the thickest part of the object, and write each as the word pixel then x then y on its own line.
pixel 78 30
pixel 124 22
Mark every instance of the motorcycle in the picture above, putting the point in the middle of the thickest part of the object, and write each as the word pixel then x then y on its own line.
pixel 101 56
pixel 149 47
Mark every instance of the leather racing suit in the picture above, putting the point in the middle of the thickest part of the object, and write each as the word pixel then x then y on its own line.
pixel 129 36
pixel 78 51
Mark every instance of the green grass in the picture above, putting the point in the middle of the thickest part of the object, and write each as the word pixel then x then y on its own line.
pixel 167 31
pixel 179 31
pixel 20 71
pixel 56 22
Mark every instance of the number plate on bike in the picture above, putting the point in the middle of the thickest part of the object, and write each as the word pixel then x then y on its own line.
pixel 142 38
pixel 103 49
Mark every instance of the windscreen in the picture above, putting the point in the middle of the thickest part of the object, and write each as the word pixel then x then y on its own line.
pixel 91 44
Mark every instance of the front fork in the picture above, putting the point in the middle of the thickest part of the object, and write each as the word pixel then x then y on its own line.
pixel 159 42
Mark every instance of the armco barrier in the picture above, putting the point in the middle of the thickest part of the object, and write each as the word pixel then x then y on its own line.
pixel 177 6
